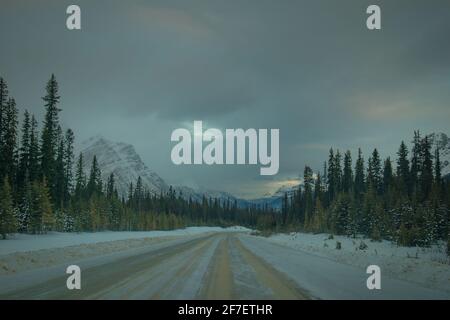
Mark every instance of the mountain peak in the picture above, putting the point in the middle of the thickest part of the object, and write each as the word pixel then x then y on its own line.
pixel 123 161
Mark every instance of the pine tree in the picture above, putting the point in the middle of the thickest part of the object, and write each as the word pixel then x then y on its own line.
pixel 437 169
pixel 49 138
pixel 403 173
pixel 415 163
pixel 60 172
pixel 25 207
pixel 347 180
pixel 9 150
pixel 33 166
pixel 374 180
pixel 387 175
pixel 338 171
pixel 45 206
pixel 426 169
pixel 69 162
pixel 24 152
pixel 110 186
pixel 331 178
pixel 308 182
pixel 80 178
pixel 359 176
pixel 95 184
pixel 3 106
pixel 8 223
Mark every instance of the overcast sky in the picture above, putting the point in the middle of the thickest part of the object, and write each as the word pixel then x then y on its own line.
pixel 140 69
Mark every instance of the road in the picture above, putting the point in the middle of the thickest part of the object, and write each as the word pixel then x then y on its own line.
pixel 216 266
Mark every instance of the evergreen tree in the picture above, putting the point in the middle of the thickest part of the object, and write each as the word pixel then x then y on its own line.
pixel 331 178
pixel 80 178
pixel 3 106
pixel 359 176
pixel 49 138
pixel 426 169
pixel 95 184
pixel 387 176
pixel 45 207
pixel 437 169
pixel 110 186
pixel 403 173
pixel 8 223
pixel 374 180
pixel 33 166
pixel 24 151
pixel 60 173
pixel 347 180
pixel 9 150
pixel 308 182
pixel 69 162
pixel 415 163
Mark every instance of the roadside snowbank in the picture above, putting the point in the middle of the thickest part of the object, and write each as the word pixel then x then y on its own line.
pixel 26 242
pixel 429 267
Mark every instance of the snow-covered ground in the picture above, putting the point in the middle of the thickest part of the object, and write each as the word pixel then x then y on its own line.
pixel 27 242
pixel 429 267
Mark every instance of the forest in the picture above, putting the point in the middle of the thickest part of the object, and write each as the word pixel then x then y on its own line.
pixel 44 188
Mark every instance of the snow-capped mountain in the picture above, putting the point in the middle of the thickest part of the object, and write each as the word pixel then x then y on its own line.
pixel 275 200
pixel 442 141
pixel 122 160
pixel 126 164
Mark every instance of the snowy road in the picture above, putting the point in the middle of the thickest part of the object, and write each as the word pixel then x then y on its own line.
pixel 212 266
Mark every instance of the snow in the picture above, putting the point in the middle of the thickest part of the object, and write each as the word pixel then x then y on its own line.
pixel 25 242
pixel 429 267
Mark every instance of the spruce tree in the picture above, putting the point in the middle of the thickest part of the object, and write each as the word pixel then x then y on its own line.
pixel 9 150
pixel 80 178
pixel 24 152
pixel 331 182
pixel 359 176
pixel 437 169
pixel 8 223
pixel 308 182
pixel 69 162
pixel 403 173
pixel 49 138
pixel 95 184
pixel 347 179
pixel 374 179
pixel 110 186
pixel 426 169
pixel 33 166
pixel 415 163
pixel 45 206
pixel 3 106
pixel 387 175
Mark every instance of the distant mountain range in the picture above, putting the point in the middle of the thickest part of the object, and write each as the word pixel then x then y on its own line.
pixel 126 164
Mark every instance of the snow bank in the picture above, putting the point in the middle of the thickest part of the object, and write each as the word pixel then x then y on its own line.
pixel 26 242
pixel 429 267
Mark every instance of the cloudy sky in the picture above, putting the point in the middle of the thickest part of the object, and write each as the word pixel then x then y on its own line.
pixel 140 69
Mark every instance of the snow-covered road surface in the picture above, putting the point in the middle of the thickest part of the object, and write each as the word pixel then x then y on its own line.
pixel 218 265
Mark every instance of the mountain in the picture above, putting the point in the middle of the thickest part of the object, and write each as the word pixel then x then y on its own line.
pixel 442 141
pixel 122 160
pixel 126 164
pixel 275 200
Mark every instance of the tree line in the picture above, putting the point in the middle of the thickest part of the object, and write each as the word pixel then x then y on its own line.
pixel 406 201
pixel 44 187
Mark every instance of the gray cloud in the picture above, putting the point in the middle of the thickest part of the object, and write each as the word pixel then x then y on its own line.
pixel 140 69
